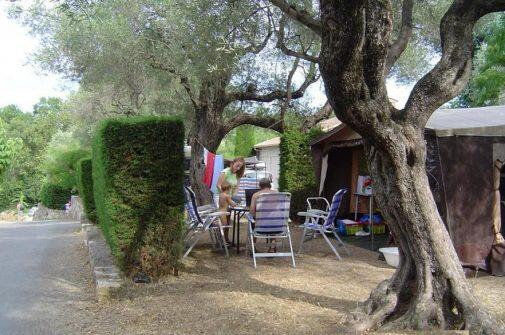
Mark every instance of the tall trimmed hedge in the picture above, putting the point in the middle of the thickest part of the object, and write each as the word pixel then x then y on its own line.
pixel 137 181
pixel 85 187
pixel 296 170
pixel 54 196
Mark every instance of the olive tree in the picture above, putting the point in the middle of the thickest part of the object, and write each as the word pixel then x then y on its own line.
pixel 217 61
pixel 429 289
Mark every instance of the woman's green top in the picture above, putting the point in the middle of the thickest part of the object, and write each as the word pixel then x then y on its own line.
pixel 232 179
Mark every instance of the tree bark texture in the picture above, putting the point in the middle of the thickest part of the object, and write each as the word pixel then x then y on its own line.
pixel 429 289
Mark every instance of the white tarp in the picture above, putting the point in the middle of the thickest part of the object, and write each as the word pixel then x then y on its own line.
pixel 480 121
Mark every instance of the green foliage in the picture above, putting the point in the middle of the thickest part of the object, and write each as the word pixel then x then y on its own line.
pixel 54 196
pixel 61 166
pixel 425 40
pixel 85 187
pixel 245 140
pixel 130 55
pixel 241 140
pixel 20 200
pixel 8 148
pixel 487 84
pixel 296 170
pixel 30 133
pixel 137 182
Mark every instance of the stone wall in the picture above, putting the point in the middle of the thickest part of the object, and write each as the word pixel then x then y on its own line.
pixel 76 208
pixel 76 211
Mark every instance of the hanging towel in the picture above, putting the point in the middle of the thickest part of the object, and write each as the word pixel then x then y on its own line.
pixel 324 169
pixel 218 167
pixel 209 169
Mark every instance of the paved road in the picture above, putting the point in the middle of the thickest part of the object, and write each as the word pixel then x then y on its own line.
pixel 43 277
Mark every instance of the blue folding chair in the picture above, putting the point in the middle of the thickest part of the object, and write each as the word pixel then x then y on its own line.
pixel 322 221
pixel 271 222
pixel 201 220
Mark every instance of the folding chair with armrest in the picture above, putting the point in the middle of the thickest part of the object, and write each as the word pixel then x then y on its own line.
pixel 322 222
pixel 200 222
pixel 271 222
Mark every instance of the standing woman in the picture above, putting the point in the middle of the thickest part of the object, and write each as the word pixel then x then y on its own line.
pixel 232 175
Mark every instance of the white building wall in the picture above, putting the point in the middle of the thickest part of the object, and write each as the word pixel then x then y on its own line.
pixel 271 157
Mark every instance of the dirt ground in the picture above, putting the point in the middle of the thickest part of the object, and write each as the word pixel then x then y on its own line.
pixel 215 295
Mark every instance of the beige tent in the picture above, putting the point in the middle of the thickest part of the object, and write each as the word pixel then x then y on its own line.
pixel 462 145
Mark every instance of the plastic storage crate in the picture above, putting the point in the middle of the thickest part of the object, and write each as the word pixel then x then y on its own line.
pixel 349 227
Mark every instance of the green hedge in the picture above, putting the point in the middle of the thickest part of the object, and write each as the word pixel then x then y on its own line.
pixel 85 187
pixel 61 166
pixel 296 170
pixel 137 182
pixel 54 196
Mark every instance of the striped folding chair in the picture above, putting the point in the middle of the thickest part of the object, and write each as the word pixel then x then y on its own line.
pixel 271 222
pixel 246 184
pixel 201 221
pixel 322 222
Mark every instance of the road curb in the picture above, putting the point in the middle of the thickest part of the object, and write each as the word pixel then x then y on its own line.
pixel 106 275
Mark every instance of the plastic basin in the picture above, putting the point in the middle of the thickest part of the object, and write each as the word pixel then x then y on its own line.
pixel 392 256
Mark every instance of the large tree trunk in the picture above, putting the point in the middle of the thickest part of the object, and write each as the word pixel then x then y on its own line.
pixel 429 289
pixel 206 132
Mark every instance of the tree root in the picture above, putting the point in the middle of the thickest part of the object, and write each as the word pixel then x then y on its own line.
pixel 383 311
pixel 375 310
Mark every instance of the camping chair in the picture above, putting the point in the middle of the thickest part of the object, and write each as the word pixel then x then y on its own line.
pixel 201 209
pixel 320 221
pixel 198 223
pixel 246 184
pixel 271 222
pixel 191 210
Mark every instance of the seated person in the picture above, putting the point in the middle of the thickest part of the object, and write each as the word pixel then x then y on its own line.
pixel 225 201
pixel 265 187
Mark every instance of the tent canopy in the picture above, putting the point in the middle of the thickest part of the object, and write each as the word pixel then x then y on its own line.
pixel 482 121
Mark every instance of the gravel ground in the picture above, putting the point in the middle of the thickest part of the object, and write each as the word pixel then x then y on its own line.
pixel 215 295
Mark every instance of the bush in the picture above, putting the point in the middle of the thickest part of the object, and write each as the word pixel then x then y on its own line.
pixel 85 187
pixel 137 182
pixel 61 166
pixel 54 196
pixel 296 170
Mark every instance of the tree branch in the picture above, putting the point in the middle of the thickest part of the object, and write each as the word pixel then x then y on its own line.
pixel 289 92
pixel 341 58
pixel 155 64
pixel 377 33
pixel 282 46
pixel 255 120
pixel 452 72
pixel 299 15
pixel 401 42
pixel 323 114
pixel 252 95
pixel 256 49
